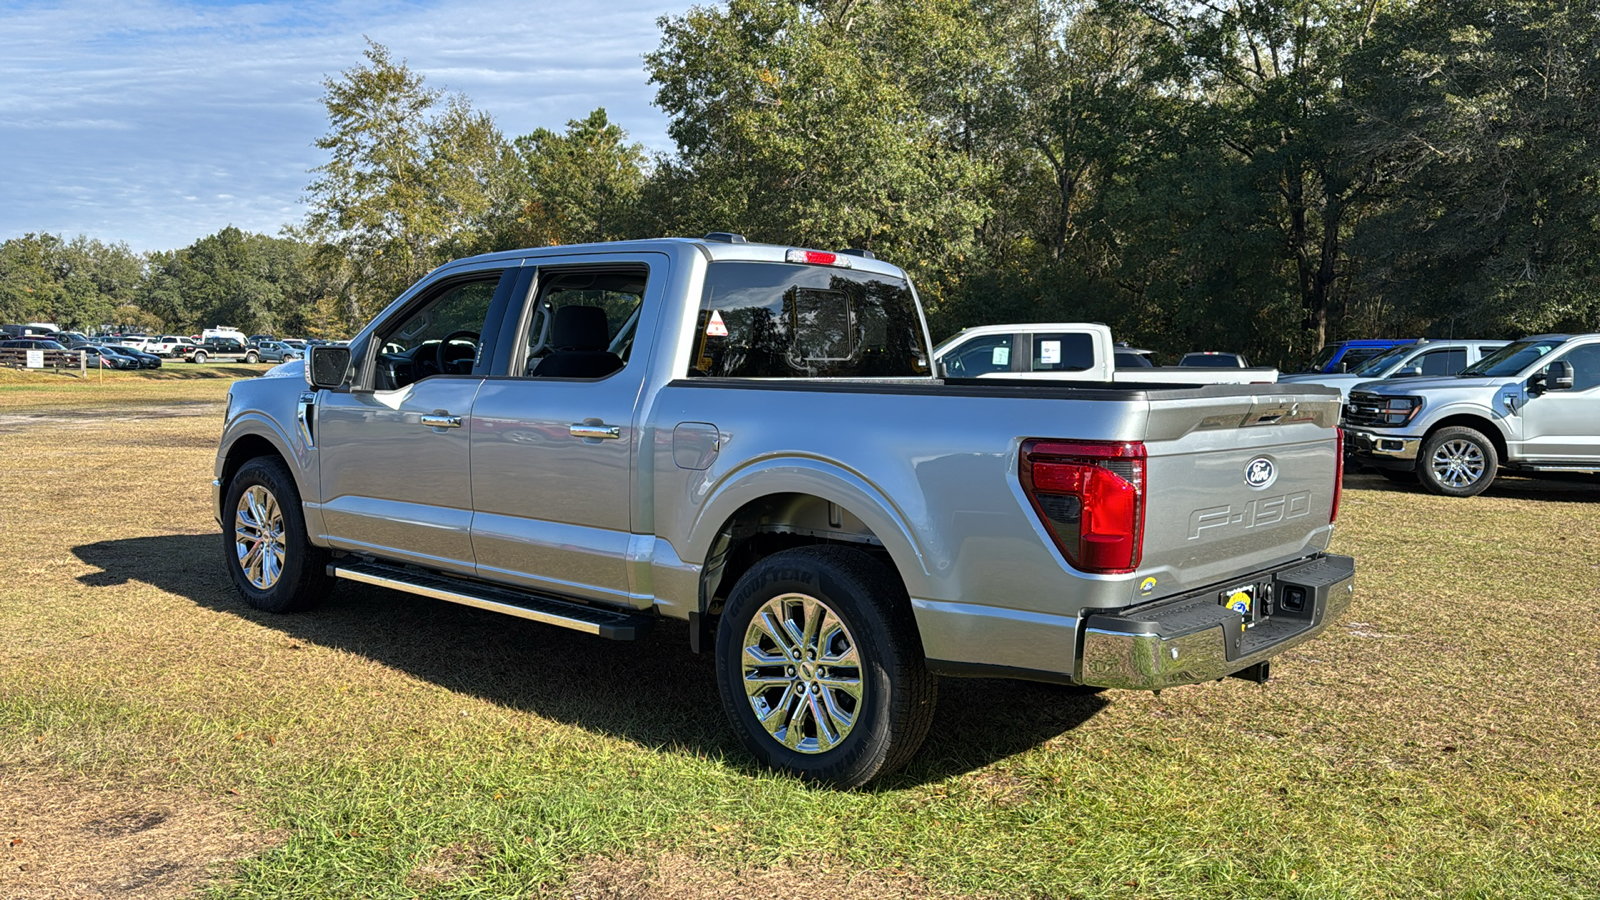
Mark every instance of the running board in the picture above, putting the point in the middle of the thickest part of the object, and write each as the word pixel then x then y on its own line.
pixel 607 623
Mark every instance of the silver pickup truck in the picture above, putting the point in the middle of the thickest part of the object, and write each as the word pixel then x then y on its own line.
pixel 748 438
pixel 1533 406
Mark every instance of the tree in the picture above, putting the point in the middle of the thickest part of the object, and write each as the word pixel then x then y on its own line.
pixel 412 180
pixel 253 282
pixel 75 284
pixel 576 187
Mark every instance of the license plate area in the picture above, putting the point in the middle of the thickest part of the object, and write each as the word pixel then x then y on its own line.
pixel 1250 601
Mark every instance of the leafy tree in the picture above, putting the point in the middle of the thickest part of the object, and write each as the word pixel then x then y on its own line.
pixel 577 187
pixel 412 180
pixel 252 282
pixel 75 284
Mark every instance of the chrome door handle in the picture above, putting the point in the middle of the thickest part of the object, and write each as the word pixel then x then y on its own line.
pixel 441 421
pixel 600 432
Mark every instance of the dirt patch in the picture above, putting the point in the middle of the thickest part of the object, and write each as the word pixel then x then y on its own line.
pixel 676 876
pixel 448 864
pixel 65 839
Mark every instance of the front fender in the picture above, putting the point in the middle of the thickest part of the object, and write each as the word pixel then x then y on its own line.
pixel 255 426
pixel 822 479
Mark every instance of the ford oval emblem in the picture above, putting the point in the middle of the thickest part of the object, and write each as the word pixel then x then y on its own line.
pixel 1260 473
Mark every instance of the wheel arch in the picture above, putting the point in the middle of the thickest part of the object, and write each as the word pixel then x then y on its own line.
pixel 1477 422
pixel 256 439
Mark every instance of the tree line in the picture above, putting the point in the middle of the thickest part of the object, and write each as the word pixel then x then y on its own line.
pixel 1253 175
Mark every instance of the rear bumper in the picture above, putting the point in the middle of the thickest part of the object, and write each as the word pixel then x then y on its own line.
pixel 1380 446
pixel 1194 638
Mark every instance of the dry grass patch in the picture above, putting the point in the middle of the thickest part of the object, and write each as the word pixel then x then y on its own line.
pixel 65 838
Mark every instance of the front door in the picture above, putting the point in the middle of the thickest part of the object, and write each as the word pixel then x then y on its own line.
pixel 554 436
pixel 396 450
pixel 1564 426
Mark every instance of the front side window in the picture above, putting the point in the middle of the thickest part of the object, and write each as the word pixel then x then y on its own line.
pixel 785 320
pixel 979 356
pixel 1585 366
pixel 439 338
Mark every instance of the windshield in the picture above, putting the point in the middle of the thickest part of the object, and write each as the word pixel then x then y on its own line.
pixel 1323 357
pixel 1512 358
pixel 1375 366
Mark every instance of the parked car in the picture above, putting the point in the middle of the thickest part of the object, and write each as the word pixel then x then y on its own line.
pixel 750 438
pixel 277 351
pixel 1212 359
pixel 222 349
pixel 1062 351
pixel 1421 359
pixel 1345 356
pixel 97 358
pixel 140 359
pixel 31 344
pixel 1531 407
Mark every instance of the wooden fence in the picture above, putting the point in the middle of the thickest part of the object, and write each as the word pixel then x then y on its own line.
pixel 56 360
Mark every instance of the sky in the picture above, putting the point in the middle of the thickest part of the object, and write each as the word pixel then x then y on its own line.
pixel 157 122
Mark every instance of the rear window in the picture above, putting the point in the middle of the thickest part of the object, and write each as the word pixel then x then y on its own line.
pixel 780 320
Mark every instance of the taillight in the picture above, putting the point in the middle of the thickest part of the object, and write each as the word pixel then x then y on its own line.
pixel 817 258
pixel 1338 475
pixel 1090 497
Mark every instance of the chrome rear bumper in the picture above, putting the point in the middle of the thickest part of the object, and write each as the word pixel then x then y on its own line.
pixel 1194 638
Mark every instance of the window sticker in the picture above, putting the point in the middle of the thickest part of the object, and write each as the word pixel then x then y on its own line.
pixel 715 327
pixel 1050 352
pixel 1001 356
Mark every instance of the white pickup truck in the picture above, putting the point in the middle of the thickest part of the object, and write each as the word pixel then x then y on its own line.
pixel 1066 351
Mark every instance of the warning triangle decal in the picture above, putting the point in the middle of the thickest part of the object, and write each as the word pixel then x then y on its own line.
pixel 715 327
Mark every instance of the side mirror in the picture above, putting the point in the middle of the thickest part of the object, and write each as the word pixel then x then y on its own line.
pixel 1409 372
pixel 327 366
pixel 1342 368
pixel 1560 376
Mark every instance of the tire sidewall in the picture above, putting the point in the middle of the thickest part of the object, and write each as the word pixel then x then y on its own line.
pixel 1491 462
pixel 199 359
pixel 863 750
pixel 286 594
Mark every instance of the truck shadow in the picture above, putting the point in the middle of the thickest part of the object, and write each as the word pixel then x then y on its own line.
pixel 1555 487
pixel 653 692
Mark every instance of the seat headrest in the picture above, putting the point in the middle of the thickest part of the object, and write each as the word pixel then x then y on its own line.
pixel 580 328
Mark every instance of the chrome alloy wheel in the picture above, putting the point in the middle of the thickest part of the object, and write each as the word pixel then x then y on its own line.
pixel 258 537
pixel 802 673
pixel 1457 463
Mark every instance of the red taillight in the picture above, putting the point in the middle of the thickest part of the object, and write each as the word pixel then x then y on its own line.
pixel 1090 497
pixel 1338 474
pixel 817 258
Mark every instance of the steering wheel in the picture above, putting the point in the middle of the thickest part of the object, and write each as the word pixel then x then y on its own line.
pixel 443 357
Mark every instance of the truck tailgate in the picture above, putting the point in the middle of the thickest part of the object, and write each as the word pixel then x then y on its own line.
pixel 1236 485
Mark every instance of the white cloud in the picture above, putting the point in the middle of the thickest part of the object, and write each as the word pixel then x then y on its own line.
pixel 157 122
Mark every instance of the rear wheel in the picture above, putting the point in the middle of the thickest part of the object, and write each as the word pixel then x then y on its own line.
pixel 1457 462
pixel 820 666
pixel 252 357
pixel 272 563
pixel 199 357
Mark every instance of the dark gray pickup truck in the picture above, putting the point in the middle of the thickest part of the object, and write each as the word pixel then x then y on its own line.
pixel 748 438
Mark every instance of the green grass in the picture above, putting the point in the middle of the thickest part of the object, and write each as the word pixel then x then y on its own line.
pixel 1440 741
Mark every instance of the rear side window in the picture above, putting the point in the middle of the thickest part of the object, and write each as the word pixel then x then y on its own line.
pixel 1444 362
pixel 781 320
pixel 1063 352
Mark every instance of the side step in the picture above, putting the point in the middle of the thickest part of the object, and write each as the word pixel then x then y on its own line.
pixel 605 622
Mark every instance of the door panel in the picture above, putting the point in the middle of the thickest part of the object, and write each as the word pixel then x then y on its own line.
pixel 391 483
pixel 553 458
pixel 1564 426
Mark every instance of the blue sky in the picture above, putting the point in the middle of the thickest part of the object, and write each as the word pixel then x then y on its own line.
pixel 157 122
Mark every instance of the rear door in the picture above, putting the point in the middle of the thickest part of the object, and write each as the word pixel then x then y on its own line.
pixel 555 431
pixel 1236 485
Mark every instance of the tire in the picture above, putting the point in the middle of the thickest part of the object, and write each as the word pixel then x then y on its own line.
pixel 199 357
pixel 1457 462
pixel 273 511
pixel 1400 476
pixel 854 607
pixel 252 357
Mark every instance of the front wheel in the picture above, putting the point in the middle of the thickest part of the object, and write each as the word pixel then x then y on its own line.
pixel 272 563
pixel 252 357
pixel 1457 462
pixel 820 666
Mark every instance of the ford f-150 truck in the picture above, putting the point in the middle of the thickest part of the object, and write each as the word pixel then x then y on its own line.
pixel 749 438
pixel 1533 406
pixel 1065 351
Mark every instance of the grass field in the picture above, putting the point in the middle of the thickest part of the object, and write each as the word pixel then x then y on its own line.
pixel 158 737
